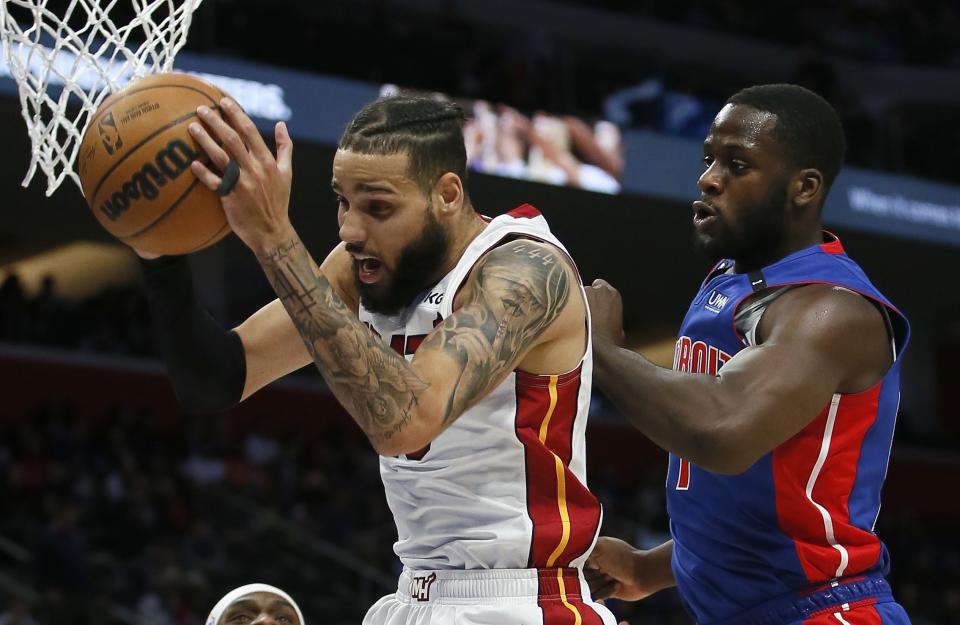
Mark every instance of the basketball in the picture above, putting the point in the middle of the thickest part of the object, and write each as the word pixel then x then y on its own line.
pixel 134 166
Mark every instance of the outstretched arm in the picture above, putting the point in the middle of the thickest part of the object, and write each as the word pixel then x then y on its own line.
pixel 816 341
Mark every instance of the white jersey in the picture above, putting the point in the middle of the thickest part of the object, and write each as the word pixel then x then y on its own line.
pixel 504 486
pixel 485 596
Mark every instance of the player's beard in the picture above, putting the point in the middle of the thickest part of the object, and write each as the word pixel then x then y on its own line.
pixel 754 239
pixel 414 271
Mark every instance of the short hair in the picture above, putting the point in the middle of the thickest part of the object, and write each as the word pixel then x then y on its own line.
pixel 428 131
pixel 808 127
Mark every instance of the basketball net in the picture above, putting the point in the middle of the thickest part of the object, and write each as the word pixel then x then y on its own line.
pixel 78 58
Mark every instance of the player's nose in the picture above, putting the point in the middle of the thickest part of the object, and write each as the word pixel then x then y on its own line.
pixel 710 182
pixel 352 230
pixel 264 619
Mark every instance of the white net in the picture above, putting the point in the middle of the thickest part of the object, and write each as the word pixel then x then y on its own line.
pixel 75 52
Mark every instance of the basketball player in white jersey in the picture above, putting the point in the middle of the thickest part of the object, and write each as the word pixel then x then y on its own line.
pixel 459 344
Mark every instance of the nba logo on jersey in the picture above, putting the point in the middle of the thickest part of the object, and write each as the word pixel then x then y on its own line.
pixel 717 301
pixel 420 587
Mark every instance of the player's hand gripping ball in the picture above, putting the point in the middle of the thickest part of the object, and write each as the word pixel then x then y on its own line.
pixel 134 166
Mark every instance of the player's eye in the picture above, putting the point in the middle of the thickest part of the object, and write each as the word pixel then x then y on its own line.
pixel 378 209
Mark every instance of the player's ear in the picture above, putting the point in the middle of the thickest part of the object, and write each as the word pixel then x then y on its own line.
pixel 807 188
pixel 448 193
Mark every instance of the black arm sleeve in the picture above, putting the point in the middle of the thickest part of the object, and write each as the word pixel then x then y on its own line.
pixel 206 362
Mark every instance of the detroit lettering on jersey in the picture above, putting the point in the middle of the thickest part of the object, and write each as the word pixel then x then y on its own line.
pixel 692 356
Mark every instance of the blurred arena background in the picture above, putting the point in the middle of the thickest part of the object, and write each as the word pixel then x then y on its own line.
pixel 120 508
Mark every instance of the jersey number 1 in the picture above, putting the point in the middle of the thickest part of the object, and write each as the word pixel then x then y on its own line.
pixel 683 475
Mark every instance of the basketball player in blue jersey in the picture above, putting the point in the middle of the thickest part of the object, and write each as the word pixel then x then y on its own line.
pixel 779 411
pixel 459 344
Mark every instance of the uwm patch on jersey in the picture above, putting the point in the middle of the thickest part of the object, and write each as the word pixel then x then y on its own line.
pixel 716 302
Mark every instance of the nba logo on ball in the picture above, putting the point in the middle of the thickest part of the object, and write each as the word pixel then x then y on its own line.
pixel 112 141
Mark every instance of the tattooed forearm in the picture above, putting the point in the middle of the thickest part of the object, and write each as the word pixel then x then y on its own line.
pixel 520 289
pixel 375 384
pixel 514 294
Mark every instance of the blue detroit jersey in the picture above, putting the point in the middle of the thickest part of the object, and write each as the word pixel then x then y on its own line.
pixel 803 514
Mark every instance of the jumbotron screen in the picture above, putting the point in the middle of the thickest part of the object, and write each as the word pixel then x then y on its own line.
pixel 539 146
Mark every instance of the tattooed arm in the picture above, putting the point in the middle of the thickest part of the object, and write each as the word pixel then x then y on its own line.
pixel 271 343
pixel 515 303
pixel 516 299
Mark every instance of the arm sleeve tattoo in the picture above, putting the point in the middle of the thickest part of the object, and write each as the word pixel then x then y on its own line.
pixel 518 290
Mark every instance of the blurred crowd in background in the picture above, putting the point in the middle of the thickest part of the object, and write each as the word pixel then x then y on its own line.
pixel 111 322
pixel 879 31
pixel 124 510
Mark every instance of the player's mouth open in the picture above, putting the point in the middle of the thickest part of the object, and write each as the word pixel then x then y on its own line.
pixel 369 269
pixel 703 214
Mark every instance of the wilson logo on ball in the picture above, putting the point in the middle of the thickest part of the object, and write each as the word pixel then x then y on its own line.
pixel 169 164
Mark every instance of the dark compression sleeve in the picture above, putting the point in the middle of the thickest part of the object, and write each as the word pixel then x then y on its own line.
pixel 206 362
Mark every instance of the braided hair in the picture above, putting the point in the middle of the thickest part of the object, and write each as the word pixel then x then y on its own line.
pixel 428 131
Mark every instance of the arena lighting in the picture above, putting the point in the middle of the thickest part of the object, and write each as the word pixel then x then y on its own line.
pixel 79 270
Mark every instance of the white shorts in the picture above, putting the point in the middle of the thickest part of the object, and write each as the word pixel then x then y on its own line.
pixel 490 597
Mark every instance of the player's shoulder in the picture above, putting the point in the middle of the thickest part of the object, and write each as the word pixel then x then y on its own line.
pixel 525 261
pixel 821 312
pixel 521 271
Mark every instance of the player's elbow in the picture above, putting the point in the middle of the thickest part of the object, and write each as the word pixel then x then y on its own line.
pixel 411 431
pixel 410 435
pixel 387 447
pixel 397 445
pixel 729 463
pixel 723 449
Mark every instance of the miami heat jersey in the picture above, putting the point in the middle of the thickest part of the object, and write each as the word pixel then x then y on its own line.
pixel 802 515
pixel 504 486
